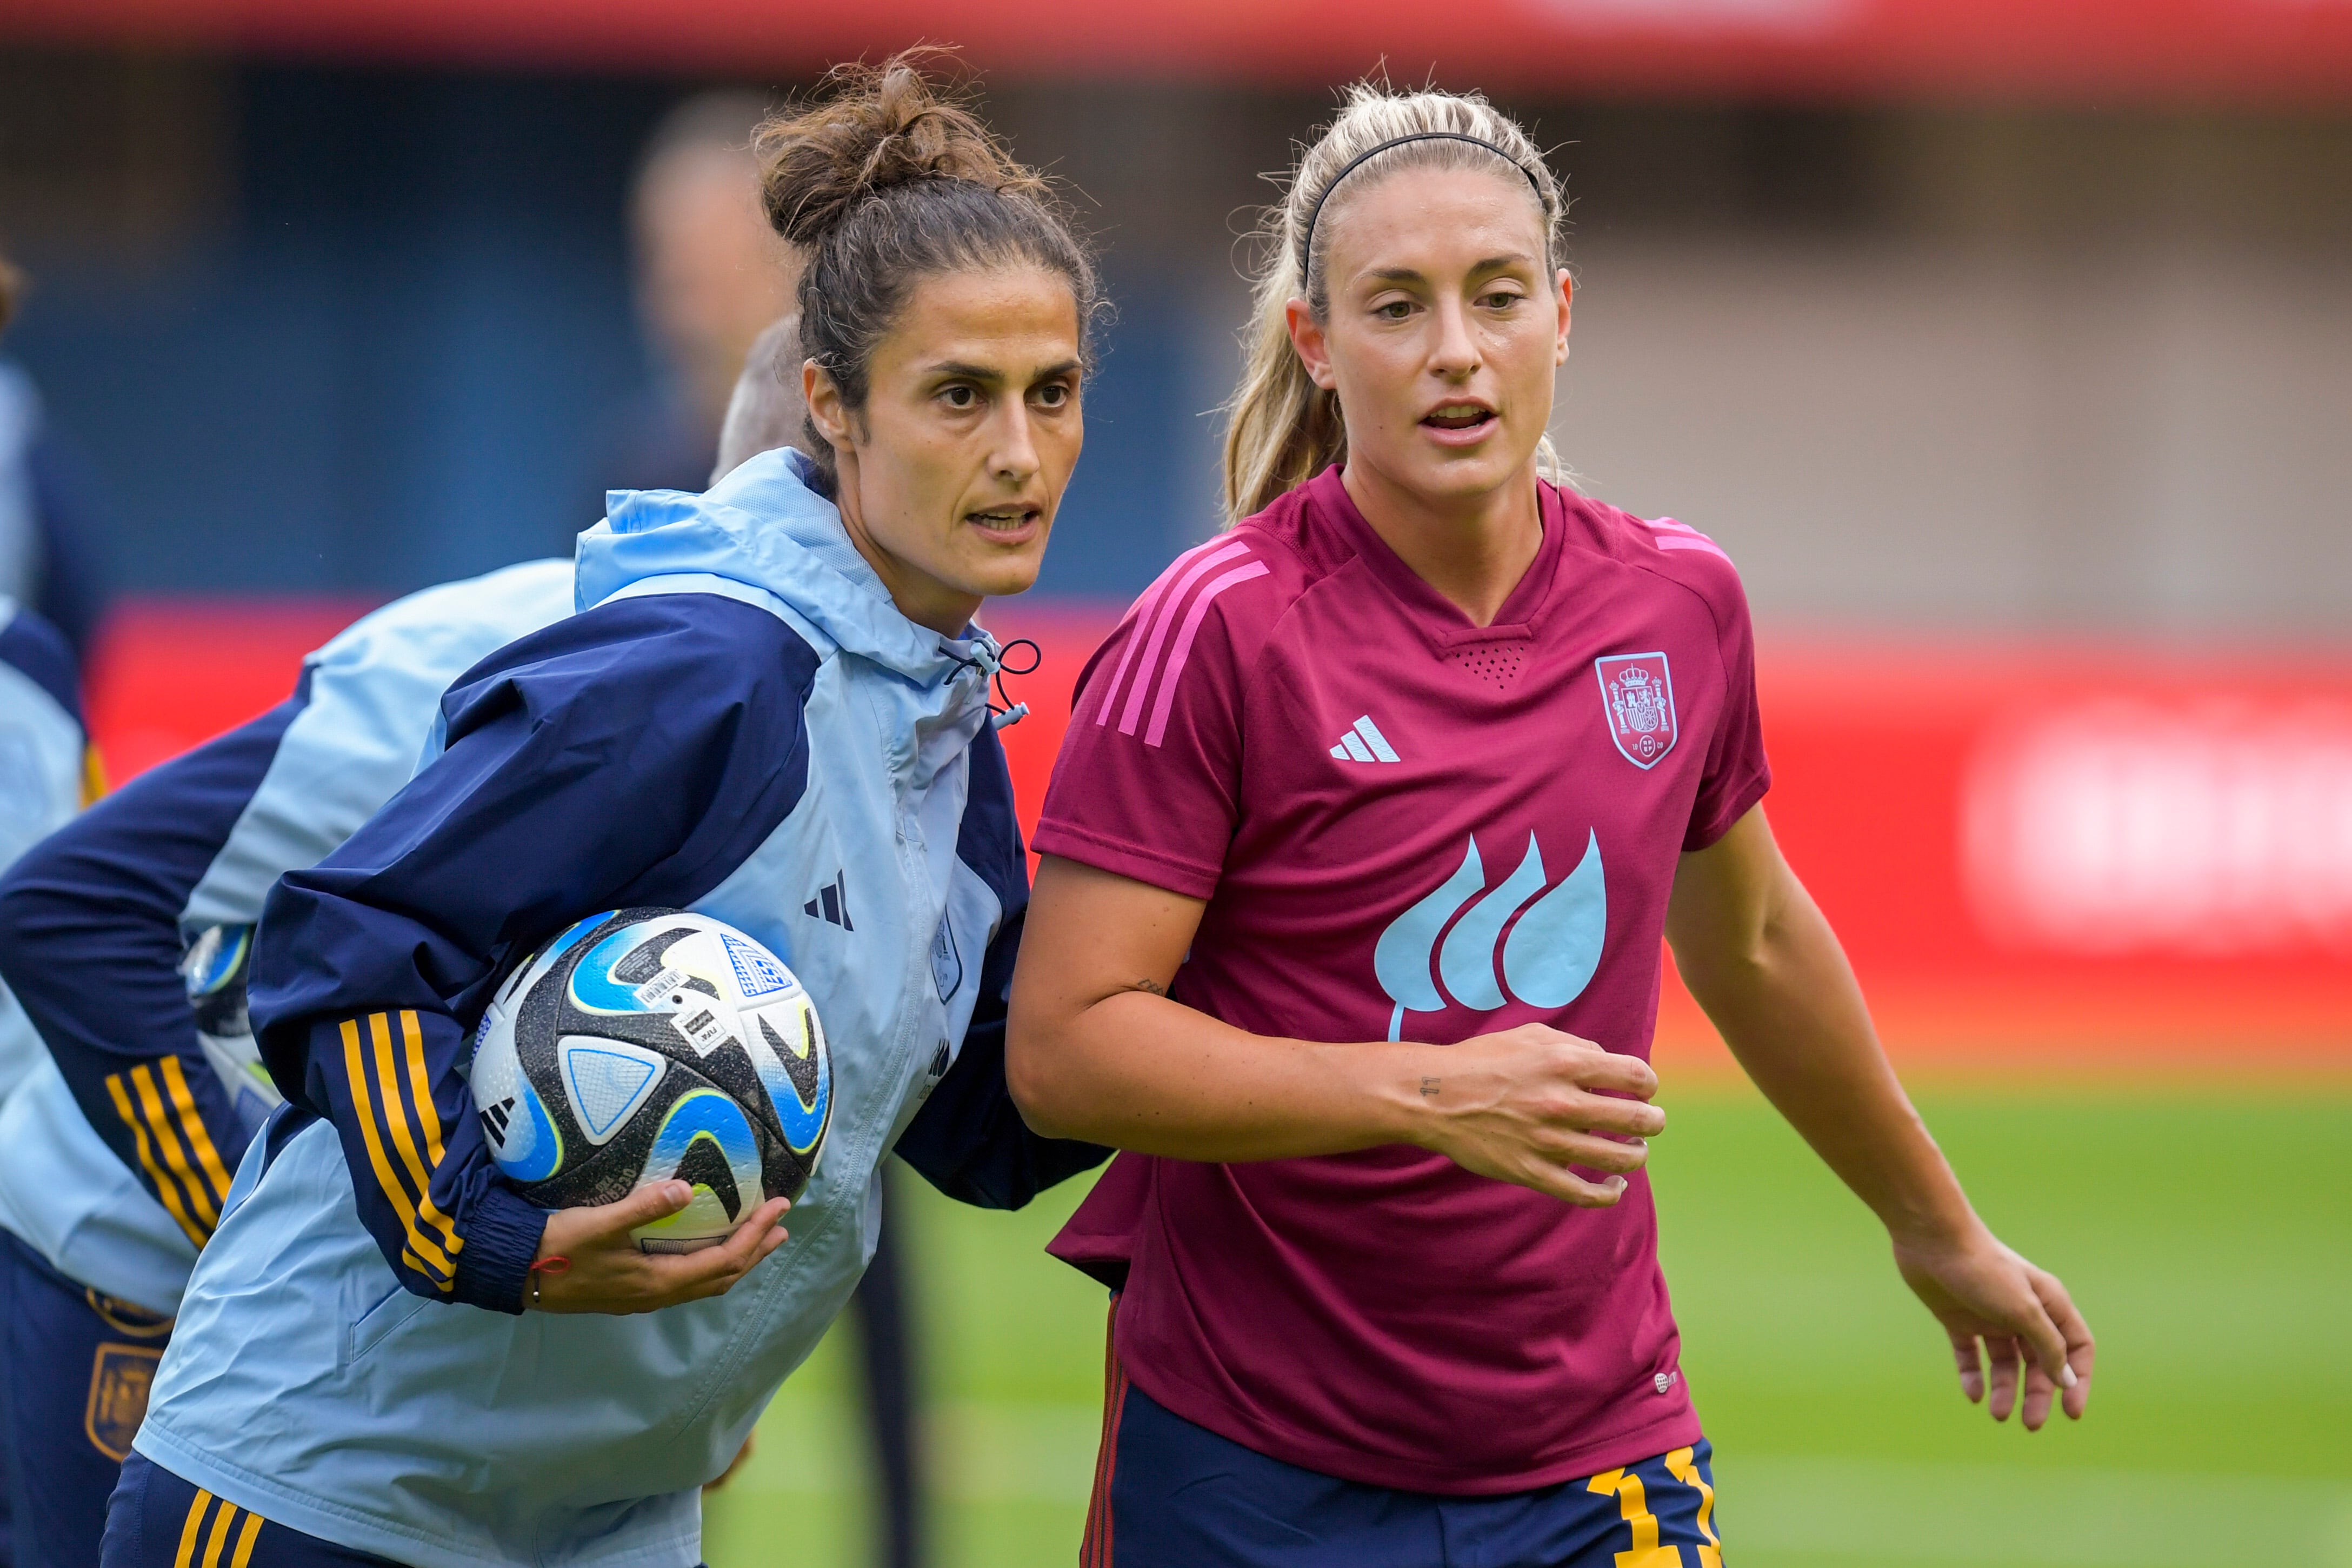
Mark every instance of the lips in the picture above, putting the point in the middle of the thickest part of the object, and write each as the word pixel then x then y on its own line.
pixel 1463 424
pixel 1009 524
pixel 1458 416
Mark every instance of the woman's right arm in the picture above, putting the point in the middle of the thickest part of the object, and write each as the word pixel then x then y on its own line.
pixel 632 754
pixel 1097 1049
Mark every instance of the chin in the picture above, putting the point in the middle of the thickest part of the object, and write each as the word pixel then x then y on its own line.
pixel 1465 479
pixel 1003 579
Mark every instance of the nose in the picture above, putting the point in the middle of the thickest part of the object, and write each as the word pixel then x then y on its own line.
pixel 1454 354
pixel 1013 458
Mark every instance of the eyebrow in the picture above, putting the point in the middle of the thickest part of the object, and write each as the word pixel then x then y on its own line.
pixel 1413 275
pixel 969 373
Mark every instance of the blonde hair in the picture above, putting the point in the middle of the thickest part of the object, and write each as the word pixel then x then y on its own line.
pixel 1282 429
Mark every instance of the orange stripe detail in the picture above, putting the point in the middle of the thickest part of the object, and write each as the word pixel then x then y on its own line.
pixel 244 1539
pixel 420 1089
pixel 151 1101
pixel 164 1186
pixel 188 1530
pixel 418 1249
pixel 193 1125
pixel 221 1521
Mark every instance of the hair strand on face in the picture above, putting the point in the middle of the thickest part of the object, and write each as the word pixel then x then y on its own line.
pixel 1282 429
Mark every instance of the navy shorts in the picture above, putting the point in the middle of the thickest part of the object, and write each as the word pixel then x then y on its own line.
pixel 75 1368
pixel 158 1521
pixel 1169 1494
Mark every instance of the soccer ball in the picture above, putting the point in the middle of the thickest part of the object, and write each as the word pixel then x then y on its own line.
pixel 643 1044
pixel 215 968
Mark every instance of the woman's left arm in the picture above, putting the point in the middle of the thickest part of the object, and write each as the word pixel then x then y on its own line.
pixel 1756 953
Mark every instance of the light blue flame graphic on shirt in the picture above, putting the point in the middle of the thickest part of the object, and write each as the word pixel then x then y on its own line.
pixel 1549 957
pixel 1400 959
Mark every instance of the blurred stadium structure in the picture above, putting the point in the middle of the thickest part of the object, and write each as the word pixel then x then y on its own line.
pixel 2008 348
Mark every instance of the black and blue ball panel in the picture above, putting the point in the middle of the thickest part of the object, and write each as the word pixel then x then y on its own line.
pixel 644 1044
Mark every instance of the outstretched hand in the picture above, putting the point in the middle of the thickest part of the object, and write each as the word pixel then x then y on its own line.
pixel 605 1273
pixel 2001 1309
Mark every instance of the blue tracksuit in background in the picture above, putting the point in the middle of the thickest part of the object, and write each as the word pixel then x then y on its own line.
pixel 44 769
pixel 116 1146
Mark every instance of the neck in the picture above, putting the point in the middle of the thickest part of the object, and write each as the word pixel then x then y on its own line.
pixel 1473 549
pixel 919 597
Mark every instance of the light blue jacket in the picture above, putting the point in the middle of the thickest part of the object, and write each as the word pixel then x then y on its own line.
pixel 738 720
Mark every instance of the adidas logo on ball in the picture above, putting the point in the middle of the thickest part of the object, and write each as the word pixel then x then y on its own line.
pixel 646 1044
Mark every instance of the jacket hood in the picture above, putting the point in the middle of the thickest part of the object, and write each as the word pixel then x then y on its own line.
pixel 766 526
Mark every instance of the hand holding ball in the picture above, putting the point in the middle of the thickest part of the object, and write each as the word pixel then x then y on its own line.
pixel 646 1047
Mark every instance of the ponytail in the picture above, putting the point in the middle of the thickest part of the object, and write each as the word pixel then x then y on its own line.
pixel 1281 428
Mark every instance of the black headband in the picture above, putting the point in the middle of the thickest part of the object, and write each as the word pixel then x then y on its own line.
pixel 1307 243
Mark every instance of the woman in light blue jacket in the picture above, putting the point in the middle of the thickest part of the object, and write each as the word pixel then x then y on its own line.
pixel 772 708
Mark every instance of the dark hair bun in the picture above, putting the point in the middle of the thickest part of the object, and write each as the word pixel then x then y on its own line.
pixel 886 179
pixel 873 128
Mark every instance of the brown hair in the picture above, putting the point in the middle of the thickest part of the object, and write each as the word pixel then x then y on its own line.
pixel 886 179
pixel 12 284
pixel 1281 428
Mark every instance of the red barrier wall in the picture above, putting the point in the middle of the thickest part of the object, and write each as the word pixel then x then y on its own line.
pixel 2046 856
pixel 168 674
pixel 2099 52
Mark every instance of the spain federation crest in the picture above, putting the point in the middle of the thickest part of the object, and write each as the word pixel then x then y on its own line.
pixel 1637 695
pixel 118 1383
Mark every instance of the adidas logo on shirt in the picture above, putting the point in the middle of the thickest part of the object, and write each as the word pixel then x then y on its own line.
pixel 831 903
pixel 1364 743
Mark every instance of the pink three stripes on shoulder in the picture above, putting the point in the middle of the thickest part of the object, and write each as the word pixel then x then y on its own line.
pixel 1179 590
pixel 1669 534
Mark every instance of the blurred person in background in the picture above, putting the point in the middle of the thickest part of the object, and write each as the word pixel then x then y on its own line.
pixel 765 413
pixel 46 772
pixel 711 274
pixel 49 522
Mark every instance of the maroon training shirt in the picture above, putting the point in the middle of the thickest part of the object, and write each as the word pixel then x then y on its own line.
pixel 1407 827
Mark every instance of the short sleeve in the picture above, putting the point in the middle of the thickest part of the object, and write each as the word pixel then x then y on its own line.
pixel 1148 784
pixel 1738 774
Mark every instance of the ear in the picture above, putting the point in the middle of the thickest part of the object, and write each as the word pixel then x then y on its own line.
pixel 1314 348
pixel 825 407
pixel 1567 296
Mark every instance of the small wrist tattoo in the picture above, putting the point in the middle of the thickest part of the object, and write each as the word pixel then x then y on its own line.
pixel 1150 988
pixel 1429 1088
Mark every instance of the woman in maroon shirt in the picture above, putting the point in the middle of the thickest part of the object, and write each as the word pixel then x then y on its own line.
pixel 1357 859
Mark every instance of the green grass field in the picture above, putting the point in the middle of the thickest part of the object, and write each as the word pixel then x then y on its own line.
pixel 2210 1245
